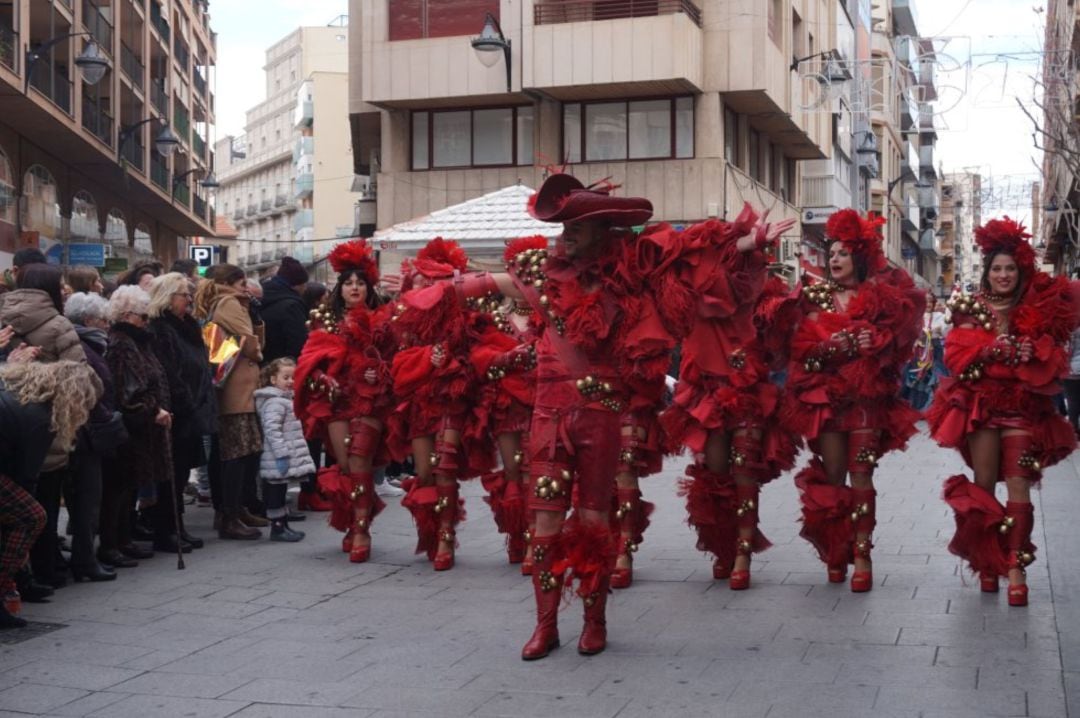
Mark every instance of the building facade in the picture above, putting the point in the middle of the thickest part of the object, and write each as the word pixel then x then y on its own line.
pixel 699 106
pixel 288 180
pixel 1059 137
pixel 964 209
pixel 79 155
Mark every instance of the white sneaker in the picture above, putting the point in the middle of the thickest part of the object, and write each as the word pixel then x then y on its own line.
pixel 387 489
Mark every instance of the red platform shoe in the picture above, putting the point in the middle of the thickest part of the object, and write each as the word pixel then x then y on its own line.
pixel 1018 595
pixel 740 580
pixel 988 583
pixel 444 560
pixel 720 570
pixel 838 574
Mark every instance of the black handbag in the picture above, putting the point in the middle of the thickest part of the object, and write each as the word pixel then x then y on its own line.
pixel 108 436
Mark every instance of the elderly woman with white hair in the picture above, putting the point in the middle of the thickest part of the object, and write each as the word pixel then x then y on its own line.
pixel 102 434
pixel 141 393
pixel 178 344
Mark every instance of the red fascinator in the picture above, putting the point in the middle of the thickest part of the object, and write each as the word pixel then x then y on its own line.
pixel 356 255
pixel 562 198
pixel 440 258
pixel 518 246
pixel 1006 236
pixel 860 235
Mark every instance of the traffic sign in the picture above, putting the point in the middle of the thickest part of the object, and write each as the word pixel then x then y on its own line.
pixel 203 254
pixel 92 255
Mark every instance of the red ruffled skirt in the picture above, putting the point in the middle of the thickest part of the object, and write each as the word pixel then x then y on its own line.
pixel 810 414
pixel 959 409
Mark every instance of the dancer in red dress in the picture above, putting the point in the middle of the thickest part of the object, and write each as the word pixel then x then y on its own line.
pixel 1006 354
pixel 725 408
pixel 343 392
pixel 504 356
pixel 842 394
pixel 434 385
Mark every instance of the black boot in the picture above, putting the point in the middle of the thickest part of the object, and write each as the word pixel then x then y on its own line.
pixel 280 531
pixel 9 621
pixel 92 572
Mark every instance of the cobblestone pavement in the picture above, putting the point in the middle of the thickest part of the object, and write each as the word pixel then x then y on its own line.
pixel 261 630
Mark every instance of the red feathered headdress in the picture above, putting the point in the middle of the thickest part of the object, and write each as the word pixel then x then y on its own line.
pixel 1007 237
pixel 517 246
pixel 440 258
pixel 860 235
pixel 356 255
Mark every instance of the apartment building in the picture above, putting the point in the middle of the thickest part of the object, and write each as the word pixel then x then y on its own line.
pixel 107 108
pixel 697 105
pixel 1060 211
pixel 965 190
pixel 288 179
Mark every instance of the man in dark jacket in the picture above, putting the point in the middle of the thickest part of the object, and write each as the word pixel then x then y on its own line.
pixel 284 312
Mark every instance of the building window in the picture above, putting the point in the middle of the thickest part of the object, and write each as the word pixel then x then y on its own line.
pixel 415 19
pixel 731 137
pixel 490 137
pixel 776 16
pixel 634 130
pixel 755 155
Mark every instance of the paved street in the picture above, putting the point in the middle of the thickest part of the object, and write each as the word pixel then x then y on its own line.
pixel 272 630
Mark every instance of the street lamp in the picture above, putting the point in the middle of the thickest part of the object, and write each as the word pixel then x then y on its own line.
pixel 91 62
pixel 208 182
pixel 165 143
pixel 490 42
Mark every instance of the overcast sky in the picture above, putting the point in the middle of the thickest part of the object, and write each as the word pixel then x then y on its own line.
pixel 989 61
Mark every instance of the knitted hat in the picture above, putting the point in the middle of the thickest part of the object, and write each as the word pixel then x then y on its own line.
pixel 292 272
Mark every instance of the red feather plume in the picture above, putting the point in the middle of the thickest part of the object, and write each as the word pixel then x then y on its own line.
pixel 1008 237
pixel 517 246
pixel 861 235
pixel 355 254
pixel 441 258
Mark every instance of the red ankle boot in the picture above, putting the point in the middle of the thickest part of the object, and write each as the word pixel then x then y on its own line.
pixel 547 591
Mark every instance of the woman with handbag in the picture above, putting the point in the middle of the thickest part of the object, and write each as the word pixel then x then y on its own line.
pixel 178 345
pixel 223 303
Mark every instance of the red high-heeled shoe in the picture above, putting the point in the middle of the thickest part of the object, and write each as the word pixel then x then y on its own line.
pixel 622 577
pixel 838 574
pixel 527 566
pixel 360 554
pixel 862 581
pixel 313 501
pixel 720 570
pixel 988 583
pixel 1018 595
pixel 444 560
pixel 346 542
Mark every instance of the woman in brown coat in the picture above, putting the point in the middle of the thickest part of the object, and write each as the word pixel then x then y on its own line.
pixel 224 300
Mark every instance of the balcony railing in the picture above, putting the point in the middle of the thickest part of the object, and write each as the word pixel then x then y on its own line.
pixel 182 193
pixel 198 145
pixel 305 184
pixel 9 43
pixel 200 83
pixel 551 12
pixel 160 24
pixel 181 53
pixel 252 209
pixel 133 151
pixel 200 207
pixel 182 123
pixel 98 26
pixel 158 97
pixel 264 206
pixel 132 67
pixel 97 120
pixel 159 171
pixel 46 80
pixel 303 218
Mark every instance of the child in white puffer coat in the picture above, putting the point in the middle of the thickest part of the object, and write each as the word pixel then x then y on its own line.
pixel 285 452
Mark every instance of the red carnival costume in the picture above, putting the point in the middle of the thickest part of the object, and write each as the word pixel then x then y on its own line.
pixel 993 387
pixel 584 384
pixel 504 356
pixel 724 389
pixel 333 386
pixel 434 385
pixel 833 386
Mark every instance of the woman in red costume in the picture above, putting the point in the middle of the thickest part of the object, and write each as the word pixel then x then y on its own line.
pixel 343 396
pixel 855 336
pixel 725 409
pixel 434 384
pixel 504 357
pixel 1006 354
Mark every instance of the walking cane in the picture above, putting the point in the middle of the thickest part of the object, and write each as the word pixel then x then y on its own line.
pixel 175 512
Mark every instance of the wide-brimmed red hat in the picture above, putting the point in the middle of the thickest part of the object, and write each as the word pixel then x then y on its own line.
pixel 563 198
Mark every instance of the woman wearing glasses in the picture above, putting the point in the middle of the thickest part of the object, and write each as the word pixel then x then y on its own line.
pixel 178 345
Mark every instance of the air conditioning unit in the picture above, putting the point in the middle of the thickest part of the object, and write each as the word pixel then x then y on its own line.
pixel 789 249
